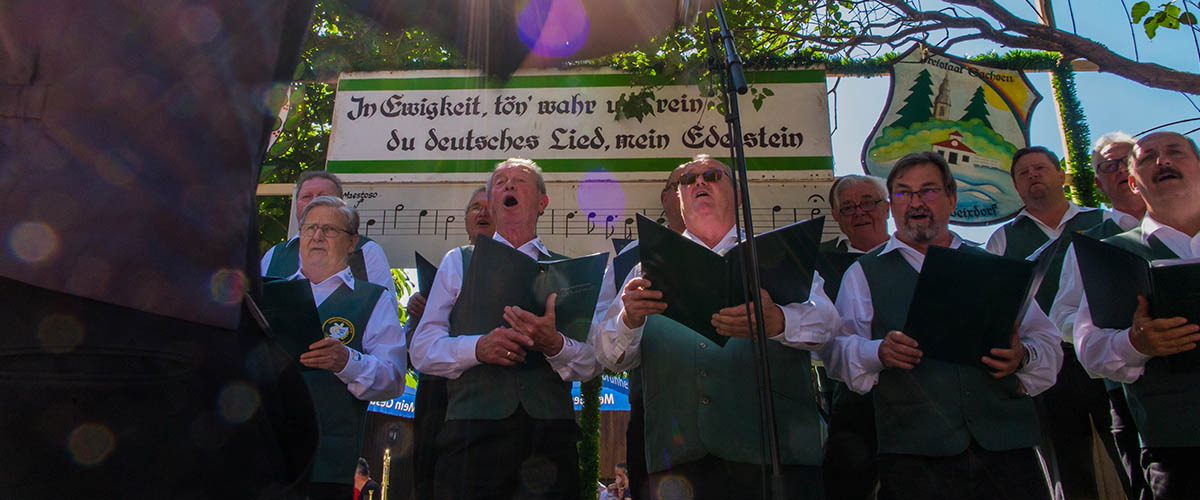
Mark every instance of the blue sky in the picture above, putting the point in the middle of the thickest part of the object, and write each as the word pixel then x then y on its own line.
pixel 1110 102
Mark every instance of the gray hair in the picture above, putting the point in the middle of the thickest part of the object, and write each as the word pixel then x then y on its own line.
pixel 848 181
pixel 913 159
pixel 480 189
pixel 523 163
pixel 349 214
pixel 1106 140
pixel 309 175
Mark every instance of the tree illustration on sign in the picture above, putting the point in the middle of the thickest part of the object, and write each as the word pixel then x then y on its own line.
pixel 977 108
pixel 917 106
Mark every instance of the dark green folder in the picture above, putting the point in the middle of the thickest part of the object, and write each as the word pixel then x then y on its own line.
pixel 289 308
pixel 1113 278
pixel 696 282
pixel 501 276
pixel 426 271
pixel 966 303
pixel 832 266
pixel 623 263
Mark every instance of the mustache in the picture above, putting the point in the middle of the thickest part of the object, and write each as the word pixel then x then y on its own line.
pixel 1165 171
pixel 908 214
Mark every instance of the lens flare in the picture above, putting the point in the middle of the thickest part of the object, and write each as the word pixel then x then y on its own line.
pixel 32 242
pixel 90 444
pixel 553 28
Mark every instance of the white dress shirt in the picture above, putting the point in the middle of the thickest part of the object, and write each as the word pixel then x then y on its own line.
pixel 378 373
pixel 379 271
pixel 807 325
pixel 1070 286
pixel 1107 352
pixel 435 352
pixel 853 357
pixel 998 243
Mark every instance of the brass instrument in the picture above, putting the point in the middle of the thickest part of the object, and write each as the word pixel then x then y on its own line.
pixel 387 469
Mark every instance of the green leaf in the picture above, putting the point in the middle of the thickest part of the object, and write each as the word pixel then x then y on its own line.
pixel 1151 27
pixel 768 92
pixel 1188 18
pixel 1139 11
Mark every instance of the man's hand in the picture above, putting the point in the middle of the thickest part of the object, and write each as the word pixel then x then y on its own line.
pixel 416 306
pixel 502 346
pixel 1005 362
pixel 733 321
pixel 1161 337
pixel 326 354
pixel 640 301
pixel 899 351
pixel 540 329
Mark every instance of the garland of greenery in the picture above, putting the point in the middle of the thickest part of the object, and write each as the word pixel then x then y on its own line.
pixel 589 445
pixel 1075 130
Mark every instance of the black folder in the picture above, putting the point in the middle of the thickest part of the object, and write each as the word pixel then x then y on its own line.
pixel 501 276
pixel 966 303
pixel 623 263
pixel 1113 278
pixel 290 310
pixel 426 271
pixel 696 282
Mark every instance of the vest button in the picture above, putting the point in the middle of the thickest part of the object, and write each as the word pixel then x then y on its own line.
pixel 704 401
pixel 704 345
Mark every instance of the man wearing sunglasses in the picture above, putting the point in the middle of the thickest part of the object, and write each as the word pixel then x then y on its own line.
pixel 702 433
pixel 1110 157
pixel 859 204
pixel 1038 177
pixel 943 429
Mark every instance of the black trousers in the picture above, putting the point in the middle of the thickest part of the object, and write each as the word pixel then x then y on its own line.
pixel 330 491
pixel 1125 435
pixel 976 473
pixel 429 414
pixel 849 467
pixel 518 457
pixel 1172 473
pixel 717 479
pixel 635 450
pixel 1068 411
pixel 102 401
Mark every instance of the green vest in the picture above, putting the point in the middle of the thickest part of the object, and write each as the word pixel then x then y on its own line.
pixel 1025 236
pixel 700 399
pixel 937 408
pixel 1165 404
pixel 492 392
pixel 285 259
pixel 340 415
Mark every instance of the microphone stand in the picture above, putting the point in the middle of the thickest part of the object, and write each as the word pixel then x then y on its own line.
pixel 733 81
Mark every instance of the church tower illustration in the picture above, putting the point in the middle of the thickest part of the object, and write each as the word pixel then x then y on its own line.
pixel 941 104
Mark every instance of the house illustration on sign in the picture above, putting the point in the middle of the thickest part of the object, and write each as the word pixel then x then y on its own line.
pixel 958 154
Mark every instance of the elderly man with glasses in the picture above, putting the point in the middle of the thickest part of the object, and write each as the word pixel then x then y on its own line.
pixel 944 430
pixel 702 432
pixel 362 355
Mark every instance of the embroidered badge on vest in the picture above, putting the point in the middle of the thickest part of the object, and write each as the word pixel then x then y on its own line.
pixel 339 328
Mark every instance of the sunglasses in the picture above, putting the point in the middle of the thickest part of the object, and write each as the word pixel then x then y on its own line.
pixel 709 176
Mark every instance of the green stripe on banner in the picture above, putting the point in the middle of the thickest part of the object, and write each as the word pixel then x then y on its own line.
pixel 564 165
pixel 565 80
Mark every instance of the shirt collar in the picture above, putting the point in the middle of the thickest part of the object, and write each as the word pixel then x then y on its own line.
pixel 726 243
pixel 850 246
pixel 894 243
pixel 1072 211
pixel 345 275
pixel 1124 221
pixel 532 246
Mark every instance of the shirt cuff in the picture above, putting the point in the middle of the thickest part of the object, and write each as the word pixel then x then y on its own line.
pixel 464 352
pixel 793 317
pixel 1125 350
pixel 626 336
pixel 561 362
pixel 354 366
pixel 868 352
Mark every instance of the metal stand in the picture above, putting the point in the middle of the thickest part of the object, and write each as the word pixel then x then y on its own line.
pixel 734 83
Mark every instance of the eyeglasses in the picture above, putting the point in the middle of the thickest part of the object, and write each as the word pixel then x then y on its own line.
pixel 866 206
pixel 1110 166
pixel 327 230
pixel 710 176
pixel 926 195
pixel 670 187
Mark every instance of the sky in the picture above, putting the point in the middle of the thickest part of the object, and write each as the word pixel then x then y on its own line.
pixel 1110 102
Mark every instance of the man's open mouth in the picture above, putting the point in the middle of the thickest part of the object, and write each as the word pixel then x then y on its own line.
pixel 1166 173
pixel 510 201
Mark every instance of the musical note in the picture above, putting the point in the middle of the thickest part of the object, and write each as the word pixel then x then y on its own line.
pixel 774 209
pixel 608 227
pixel 421 215
pixel 396 214
pixel 370 222
pixel 591 226
pixel 567 223
pixel 816 212
pixel 446 227
pixel 629 228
